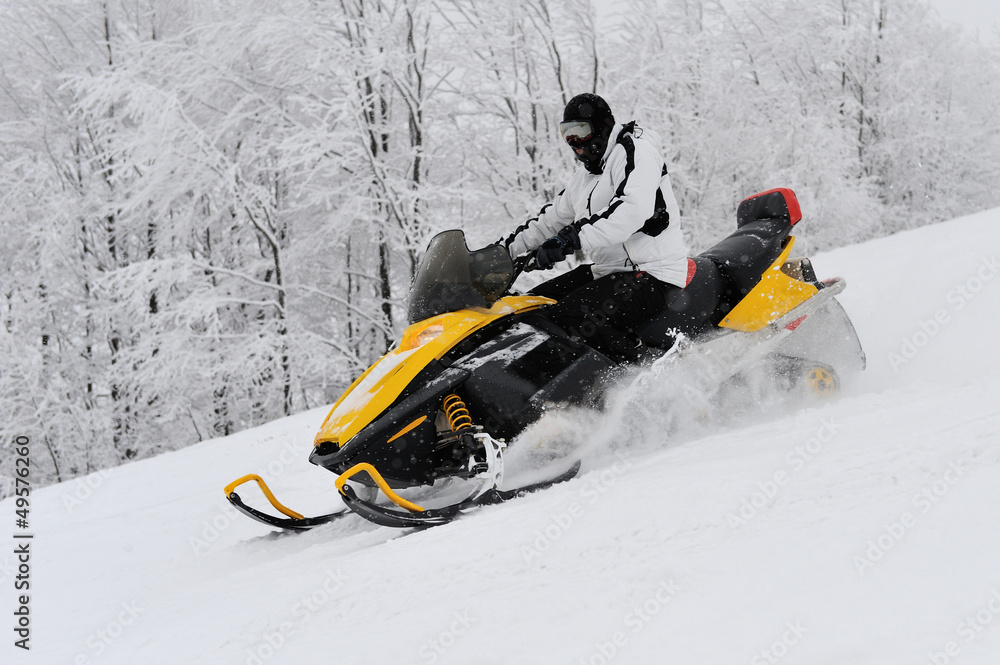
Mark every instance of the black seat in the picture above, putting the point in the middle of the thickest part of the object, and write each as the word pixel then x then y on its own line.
pixel 763 223
pixel 689 310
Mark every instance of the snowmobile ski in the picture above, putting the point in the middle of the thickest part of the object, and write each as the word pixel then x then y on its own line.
pixel 294 521
pixel 414 517
pixel 435 516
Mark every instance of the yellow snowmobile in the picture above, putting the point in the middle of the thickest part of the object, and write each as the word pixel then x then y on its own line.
pixel 431 419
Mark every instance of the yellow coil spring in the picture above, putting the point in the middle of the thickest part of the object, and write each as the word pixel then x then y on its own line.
pixel 456 413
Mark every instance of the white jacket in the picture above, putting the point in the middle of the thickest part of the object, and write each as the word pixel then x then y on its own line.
pixel 614 212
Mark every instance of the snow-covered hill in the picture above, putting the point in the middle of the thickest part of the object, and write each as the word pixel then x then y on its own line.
pixel 864 530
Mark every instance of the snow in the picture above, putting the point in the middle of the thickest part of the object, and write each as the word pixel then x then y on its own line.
pixel 859 530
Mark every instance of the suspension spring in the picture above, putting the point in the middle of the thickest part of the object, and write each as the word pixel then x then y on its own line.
pixel 456 412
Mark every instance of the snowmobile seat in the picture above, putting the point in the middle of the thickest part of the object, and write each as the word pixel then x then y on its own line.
pixel 689 310
pixel 763 223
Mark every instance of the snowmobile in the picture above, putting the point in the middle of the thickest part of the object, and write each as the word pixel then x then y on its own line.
pixel 431 420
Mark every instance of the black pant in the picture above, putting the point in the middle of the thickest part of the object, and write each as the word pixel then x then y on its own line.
pixel 606 313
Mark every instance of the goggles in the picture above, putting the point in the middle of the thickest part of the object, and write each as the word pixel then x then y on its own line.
pixel 576 133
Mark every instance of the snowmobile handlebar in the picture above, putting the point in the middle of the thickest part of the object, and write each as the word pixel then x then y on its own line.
pixel 525 263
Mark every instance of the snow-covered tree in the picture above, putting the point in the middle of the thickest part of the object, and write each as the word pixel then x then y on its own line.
pixel 210 217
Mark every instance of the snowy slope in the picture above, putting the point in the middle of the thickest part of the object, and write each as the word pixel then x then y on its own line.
pixel 861 530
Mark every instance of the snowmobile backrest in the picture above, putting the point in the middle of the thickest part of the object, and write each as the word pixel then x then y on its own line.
pixel 778 203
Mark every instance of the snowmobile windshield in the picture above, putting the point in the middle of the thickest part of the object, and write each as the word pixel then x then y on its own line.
pixel 450 277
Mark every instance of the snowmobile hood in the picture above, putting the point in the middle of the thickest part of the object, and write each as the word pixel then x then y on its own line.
pixel 423 342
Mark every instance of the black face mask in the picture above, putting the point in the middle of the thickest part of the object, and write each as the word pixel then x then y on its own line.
pixel 593 152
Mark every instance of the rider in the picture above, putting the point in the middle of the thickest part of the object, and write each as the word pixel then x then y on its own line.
pixel 619 209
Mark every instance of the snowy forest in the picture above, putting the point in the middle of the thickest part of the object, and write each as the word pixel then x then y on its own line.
pixel 211 210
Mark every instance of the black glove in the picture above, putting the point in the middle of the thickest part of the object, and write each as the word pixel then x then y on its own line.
pixel 558 247
pixel 551 252
pixel 570 235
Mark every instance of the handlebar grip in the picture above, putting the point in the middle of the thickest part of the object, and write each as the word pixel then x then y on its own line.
pixel 526 263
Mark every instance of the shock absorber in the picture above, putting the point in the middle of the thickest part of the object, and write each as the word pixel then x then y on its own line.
pixel 482 454
pixel 456 412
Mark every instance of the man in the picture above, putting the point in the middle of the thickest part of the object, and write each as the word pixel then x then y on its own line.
pixel 620 210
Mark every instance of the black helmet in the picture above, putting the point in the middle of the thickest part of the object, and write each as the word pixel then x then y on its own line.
pixel 587 123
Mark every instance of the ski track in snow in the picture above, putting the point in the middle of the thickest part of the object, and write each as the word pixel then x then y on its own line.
pixel 860 530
